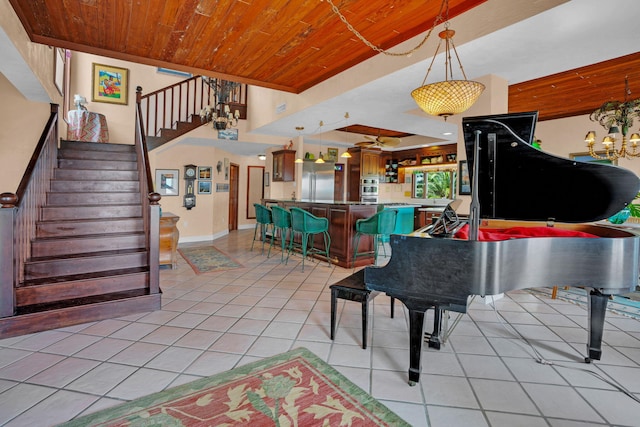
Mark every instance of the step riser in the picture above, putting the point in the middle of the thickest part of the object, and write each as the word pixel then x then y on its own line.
pixel 90 212
pixel 82 199
pixel 96 164
pixel 95 175
pixel 97 146
pixel 81 228
pixel 88 186
pixel 66 267
pixel 79 245
pixel 95 155
pixel 51 292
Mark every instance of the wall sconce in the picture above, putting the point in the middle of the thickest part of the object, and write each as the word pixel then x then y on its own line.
pixel 262 157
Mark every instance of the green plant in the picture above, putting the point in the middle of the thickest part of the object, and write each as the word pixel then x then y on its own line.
pixel 633 208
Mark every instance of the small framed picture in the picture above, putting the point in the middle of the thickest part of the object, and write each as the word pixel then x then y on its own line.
pixel 231 134
pixel 205 172
pixel 204 187
pixel 167 183
pixel 332 154
pixel 266 179
pixel 464 182
pixel 110 84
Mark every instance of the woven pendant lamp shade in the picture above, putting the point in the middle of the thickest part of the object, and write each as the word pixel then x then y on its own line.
pixel 447 97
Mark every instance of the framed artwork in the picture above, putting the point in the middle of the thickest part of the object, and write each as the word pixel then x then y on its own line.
pixel 110 84
pixel 231 134
pixel 332 154
pixel 586 157
pixel 167 182
pixel 174 72
pixel 59 68
pixel 266 179
pixel 205 172
pixel 204 187
pixel 464 182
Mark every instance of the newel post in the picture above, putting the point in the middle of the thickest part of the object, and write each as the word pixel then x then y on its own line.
pixel 7 253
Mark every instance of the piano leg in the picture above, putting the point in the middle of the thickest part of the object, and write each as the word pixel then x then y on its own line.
pixel 597 311
pixel 416 325
pixel 434 338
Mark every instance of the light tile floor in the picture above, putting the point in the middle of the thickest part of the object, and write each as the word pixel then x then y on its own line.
pixel 485 375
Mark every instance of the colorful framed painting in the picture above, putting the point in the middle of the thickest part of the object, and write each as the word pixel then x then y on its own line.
pixel 110 84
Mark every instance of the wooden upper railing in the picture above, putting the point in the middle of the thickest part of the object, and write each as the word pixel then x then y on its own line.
pixel 21 210
pixel 175 110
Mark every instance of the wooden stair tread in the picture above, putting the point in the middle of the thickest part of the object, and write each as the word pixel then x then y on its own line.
pixel 85 276
pixel 88 236
pixel 76 302
pixel 85 255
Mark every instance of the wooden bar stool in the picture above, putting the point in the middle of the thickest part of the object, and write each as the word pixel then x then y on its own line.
pixel 352 288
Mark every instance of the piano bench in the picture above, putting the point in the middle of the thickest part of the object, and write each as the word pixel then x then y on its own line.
pixel 352 288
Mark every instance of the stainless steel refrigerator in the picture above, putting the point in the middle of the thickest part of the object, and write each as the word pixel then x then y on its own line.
pixel 318 180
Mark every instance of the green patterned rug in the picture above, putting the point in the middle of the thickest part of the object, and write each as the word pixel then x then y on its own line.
pixel 204 259
pixel 296 388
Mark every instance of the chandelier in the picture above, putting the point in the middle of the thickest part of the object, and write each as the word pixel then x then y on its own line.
pixel 442 98
pixel 617 117
pixel 220 113
pixel 450 96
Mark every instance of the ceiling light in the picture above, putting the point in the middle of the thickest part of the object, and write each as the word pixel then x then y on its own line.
pixel 450 96
pixel 262 157
pixel 616 116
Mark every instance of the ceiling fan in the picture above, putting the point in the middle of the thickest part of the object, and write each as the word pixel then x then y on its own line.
pixel 379 141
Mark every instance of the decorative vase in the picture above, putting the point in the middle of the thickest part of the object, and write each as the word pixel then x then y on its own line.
pixel 620 217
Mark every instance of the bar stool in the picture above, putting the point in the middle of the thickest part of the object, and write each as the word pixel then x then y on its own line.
pixel 282 223
pixel 263 221
pixel 307 225
pixel 352 288
pixel 381 224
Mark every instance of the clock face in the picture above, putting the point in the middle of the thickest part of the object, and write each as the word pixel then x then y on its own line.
pixel 190 172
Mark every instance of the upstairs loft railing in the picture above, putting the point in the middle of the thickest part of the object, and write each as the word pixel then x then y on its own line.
pixel 175 110
pixel 21 210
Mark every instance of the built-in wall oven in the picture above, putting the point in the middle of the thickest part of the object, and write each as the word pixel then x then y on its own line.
pixel 369 190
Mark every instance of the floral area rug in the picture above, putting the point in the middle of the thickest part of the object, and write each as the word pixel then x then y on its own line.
pixel 204 259
pixel 295 388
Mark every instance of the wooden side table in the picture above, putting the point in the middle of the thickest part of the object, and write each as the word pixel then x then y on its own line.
pixel 169 239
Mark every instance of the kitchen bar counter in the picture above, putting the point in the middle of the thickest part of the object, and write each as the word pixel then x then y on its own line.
pixel 342 227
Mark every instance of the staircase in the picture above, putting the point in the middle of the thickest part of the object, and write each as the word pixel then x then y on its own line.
pixel 89 259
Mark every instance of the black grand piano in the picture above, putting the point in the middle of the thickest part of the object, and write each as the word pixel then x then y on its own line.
pixel 516 185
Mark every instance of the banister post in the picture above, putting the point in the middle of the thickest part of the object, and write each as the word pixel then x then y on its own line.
pixel 154 243
pixel 7 253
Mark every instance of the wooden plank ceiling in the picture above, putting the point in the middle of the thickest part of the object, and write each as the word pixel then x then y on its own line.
pixel 288 45
pixel 280 44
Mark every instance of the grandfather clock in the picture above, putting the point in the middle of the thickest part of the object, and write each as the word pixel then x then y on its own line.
pixel 189 185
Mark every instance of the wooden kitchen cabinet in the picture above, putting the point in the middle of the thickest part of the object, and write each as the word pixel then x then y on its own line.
pixel 284 165
pixel 169 239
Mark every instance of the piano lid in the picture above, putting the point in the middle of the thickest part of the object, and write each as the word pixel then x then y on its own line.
pixel 519 182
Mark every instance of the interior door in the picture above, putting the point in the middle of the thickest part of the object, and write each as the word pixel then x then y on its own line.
pixel 255 189
pixel 234 177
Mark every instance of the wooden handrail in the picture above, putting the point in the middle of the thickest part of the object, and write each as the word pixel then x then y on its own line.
pixel 21 210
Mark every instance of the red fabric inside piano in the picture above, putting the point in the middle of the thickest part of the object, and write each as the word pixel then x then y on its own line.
pixel 494 234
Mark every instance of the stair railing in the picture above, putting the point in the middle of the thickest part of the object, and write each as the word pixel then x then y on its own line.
pixel 149 199
pixel 182 102
pixel 21 210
